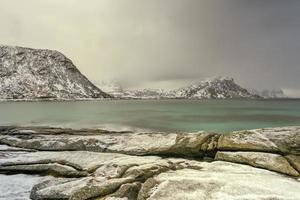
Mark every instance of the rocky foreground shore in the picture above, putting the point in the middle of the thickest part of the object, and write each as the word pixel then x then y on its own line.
pixel 103 165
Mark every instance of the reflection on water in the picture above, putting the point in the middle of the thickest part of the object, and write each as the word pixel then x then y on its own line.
pixel 164 115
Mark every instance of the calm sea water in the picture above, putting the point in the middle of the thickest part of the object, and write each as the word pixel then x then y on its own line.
pixel 163 115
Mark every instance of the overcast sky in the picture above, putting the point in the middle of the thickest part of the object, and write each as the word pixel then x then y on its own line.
pixel 165 43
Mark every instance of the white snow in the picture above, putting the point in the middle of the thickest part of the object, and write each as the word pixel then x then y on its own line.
pixel 17 187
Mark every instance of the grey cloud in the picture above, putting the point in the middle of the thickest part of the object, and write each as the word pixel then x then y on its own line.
pixel 148 42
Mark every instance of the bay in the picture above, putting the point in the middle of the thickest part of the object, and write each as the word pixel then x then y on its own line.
pixel 154 115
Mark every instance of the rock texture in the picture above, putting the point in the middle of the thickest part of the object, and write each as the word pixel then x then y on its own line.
pixel 268 161
pixel 32 74
pixel 276 140
pixel 218 181
pixel 294 161
pixel 97 164
pixel 101 141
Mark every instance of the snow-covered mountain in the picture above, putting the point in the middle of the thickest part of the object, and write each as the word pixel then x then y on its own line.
pixel 213 88
pixel 115 89
pixel 30 74
pixel 270 93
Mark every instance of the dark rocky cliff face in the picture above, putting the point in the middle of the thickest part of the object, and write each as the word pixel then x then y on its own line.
pixel 30 74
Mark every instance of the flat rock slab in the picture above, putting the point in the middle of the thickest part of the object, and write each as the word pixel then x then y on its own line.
pixel 273 162
pixel 284 140
pixel 45 138
pixel 79 189
pixel 273 140
pixel 218 181
pixel 80 160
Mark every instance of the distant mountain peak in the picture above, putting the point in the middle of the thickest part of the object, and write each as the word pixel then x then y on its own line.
pixel 218 78
pixel 214 88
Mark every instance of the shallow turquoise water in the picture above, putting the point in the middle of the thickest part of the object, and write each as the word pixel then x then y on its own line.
pixel 163 115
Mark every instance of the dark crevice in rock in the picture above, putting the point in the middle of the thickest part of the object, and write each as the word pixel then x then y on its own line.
pixel 46 161
pixel 251 150
pixel 128 191
pixel 53 169
pixel 210 145
pixel 46 130
pixel 293 164
pixel 144 192
pixel 41 173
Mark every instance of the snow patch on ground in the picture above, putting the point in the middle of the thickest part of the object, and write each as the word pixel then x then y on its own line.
pixel 17 187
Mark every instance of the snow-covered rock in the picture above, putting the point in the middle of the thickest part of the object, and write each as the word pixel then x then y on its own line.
pixel 30 74
pixel 214 88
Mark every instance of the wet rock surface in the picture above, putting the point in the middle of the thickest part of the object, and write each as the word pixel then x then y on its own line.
pixel 103 165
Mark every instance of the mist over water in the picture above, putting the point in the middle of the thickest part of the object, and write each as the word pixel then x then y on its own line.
pixel 148 115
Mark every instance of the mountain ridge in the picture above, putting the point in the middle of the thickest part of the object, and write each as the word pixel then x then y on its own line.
pixel 210 88
pixel 214 88
pixel 42 74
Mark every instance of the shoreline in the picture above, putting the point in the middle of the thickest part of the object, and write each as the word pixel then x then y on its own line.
pixel 144 99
